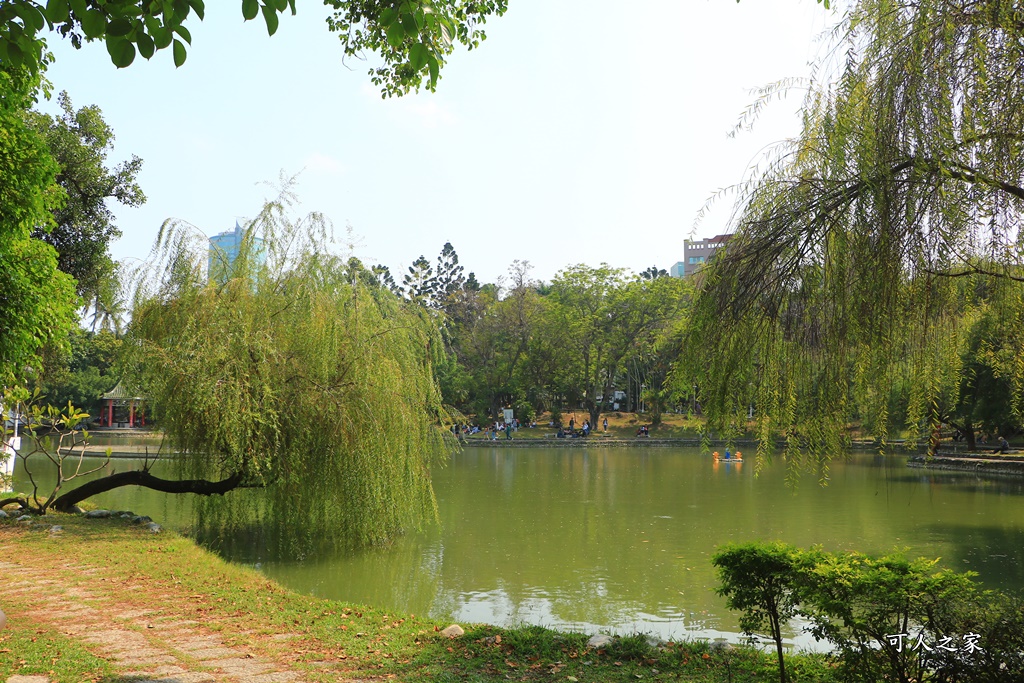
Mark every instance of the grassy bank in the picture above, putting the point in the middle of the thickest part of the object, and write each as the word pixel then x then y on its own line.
pixel 123 568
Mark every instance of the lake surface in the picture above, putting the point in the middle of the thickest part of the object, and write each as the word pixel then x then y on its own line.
pixel 620 539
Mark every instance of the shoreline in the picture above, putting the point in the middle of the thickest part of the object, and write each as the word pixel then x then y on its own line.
pixel 89 588
pixel 973 463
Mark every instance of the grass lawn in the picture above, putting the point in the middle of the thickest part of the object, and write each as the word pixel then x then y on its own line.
pixel 117 569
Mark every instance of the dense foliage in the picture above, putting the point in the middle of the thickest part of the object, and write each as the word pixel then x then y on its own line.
pixel 38 301
pixel 887 618
pixel 298 375
pixel 412 37
pixel 865 251
pixel 84 226
pixel 88 370
pixel 534 346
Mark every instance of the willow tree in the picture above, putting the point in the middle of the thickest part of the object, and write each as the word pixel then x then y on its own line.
pixel 290 371
pixel 860 249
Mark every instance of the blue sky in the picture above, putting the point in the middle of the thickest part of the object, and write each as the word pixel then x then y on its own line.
pixel 579 132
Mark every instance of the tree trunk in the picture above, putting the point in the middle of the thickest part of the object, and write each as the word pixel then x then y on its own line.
pixel 777 635
pixel 202 487
pixel 20 501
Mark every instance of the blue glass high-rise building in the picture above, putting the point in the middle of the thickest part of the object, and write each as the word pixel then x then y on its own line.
pixel 224 248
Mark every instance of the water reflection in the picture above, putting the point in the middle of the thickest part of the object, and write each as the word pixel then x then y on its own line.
pixel 621 539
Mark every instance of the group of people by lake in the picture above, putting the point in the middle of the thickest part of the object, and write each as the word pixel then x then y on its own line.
pixel 493 429
pixel 573 432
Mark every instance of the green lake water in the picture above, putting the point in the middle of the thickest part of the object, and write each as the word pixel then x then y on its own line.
pixel 620 539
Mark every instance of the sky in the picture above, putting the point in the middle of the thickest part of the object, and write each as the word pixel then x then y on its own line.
pixel 579 132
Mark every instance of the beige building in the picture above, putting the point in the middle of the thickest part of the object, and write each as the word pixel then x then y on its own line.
pixel 696 253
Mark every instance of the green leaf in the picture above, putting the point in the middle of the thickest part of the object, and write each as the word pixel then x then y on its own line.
pixel 434 68
pixel 122 53
pixel 162 37
pixel 14 53
pixel 118 28
pixel 199 7
pixel 146 47
pixel 93 23
pixel 183 32
pixel 32 15
pixel 395 34
pixel 250 8
pixel 387 16
pixel 410 25
pixel 179 52
pixel 181 10
pixel 57 11
pixel 270 15
pixel 418 55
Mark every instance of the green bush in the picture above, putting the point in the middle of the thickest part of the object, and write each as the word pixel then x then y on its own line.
pixel 879 613
pixel 524 410
pixel 759 579
pixel 998 620
pixel 888 618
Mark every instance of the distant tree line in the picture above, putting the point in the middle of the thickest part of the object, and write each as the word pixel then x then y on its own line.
pixel 539 346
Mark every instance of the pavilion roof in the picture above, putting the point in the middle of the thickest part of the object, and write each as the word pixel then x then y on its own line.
pixel 119 392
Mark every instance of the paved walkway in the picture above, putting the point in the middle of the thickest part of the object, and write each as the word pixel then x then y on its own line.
pixel 145 644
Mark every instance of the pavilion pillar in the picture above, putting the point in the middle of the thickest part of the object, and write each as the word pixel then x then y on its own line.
pixel 131 414
pixel 110 412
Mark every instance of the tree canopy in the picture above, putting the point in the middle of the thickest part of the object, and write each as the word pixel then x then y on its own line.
pixel 80 141
pixel 863 244
pixel 37 301
pixel 300 376
pixel 412 37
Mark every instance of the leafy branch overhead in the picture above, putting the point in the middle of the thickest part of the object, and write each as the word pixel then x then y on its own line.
pixel 877 256
pixel 413 37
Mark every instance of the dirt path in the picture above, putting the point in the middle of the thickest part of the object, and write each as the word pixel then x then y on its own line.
pixel 147 643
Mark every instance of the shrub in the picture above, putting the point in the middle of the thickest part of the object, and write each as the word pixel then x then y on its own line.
pixel 759 579
pixel 879 612
pixel 889 618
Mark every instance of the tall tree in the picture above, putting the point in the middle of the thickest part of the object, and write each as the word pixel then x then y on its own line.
pixel 908 175
pixel 385 279
pixel 295 376
pixel 37 301
pixel 449 275
pixel 80 141
pixel 420 283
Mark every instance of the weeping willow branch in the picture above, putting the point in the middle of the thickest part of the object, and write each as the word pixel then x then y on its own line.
pixel 294 372
pixel 864 254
